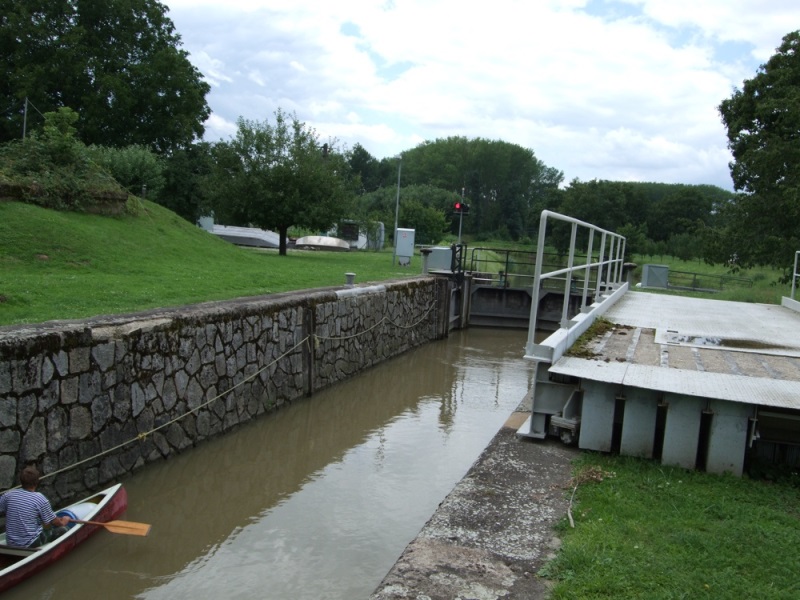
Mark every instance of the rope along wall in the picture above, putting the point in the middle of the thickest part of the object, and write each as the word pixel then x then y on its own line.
pixel 316 339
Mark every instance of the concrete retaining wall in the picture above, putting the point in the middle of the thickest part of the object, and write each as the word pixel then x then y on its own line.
pixel 91 401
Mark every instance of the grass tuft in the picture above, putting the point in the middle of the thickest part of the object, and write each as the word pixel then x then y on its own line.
pixel 582 348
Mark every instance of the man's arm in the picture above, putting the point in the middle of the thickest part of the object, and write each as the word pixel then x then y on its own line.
pixel 47 516
pixel 60 522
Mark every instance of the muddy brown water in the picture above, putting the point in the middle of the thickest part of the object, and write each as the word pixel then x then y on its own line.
pixel 315 501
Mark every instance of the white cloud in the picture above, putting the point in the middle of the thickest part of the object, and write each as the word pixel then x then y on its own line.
pixel 221 127
pixel 752 21
pixel 624 89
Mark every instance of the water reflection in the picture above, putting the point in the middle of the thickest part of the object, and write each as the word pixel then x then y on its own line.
pixel 315 501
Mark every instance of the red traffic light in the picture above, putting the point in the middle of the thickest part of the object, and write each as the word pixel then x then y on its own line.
pixel 461 207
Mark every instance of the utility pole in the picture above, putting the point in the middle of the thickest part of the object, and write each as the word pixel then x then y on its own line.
pixel 397 209
pixel 25 118
pixel 461 208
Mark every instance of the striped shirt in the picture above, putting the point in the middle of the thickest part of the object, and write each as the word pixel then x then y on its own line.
pixel 26 512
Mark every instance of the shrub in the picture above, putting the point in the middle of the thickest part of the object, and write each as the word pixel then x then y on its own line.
pixel 53 169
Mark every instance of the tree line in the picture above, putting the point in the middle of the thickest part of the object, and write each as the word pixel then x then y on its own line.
pixel 110 81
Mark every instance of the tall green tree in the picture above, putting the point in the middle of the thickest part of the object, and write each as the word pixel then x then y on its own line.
pixel 763 122
pixel 500 181
pixel 366 166
pixel 117 63
pixel 187 178
pixel 276 176
pixel 428 223
pixel 601 203
pixel 686 210
pixel 607 204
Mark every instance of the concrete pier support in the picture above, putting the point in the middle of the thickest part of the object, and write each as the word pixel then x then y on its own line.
pixel 597 425
pixel 682 430
pixel 639 423
pixel 728 437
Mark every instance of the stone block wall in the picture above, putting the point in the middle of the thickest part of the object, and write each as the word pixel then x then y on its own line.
pixel 89 402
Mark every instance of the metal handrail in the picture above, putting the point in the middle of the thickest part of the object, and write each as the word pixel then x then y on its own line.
pixel 612 246
pixel 504 266
pixel 696 280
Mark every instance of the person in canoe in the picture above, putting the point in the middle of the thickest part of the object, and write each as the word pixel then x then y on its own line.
pixel 30 520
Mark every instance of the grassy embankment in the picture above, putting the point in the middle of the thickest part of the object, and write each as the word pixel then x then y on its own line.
pixel 65 265
pixel 646 532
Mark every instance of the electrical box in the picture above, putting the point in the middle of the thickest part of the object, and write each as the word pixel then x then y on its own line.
pixel 404 246
pixel 440 259
pixel 655 276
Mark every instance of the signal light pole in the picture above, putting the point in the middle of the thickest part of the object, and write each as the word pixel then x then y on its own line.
pixel 461 209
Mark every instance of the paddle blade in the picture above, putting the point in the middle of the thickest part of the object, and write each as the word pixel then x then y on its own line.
pixel 127 527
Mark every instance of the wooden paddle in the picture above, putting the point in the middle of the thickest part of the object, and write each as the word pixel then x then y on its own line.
pixel 124 527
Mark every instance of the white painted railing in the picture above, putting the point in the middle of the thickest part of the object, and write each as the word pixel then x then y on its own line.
pixel 604 265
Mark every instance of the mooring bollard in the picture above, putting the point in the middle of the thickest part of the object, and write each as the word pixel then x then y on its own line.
pixel 426 252
pixel 349 279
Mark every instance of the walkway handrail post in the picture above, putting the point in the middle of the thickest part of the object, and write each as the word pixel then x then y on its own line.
pixel 587 274
pixel 537 278
pixel 600 260
pixel 621 259
pixel 570 268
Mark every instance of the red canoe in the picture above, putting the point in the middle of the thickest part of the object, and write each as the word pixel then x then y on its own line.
pixel 17 564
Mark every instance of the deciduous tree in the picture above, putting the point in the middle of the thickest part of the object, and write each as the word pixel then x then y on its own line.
pixel 276 176
pixel 366 166
pixel 763 122
pixel 187 176
pixel 500 181
pixel 117 63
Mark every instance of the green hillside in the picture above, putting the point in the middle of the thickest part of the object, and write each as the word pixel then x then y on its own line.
pixel 65 265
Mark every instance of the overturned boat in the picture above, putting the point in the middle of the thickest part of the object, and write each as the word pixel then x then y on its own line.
pixel 321 242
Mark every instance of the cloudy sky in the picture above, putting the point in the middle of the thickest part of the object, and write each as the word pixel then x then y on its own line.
pixel 599 89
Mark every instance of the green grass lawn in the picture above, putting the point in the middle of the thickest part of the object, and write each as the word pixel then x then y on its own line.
pixel 643 530
pixel 65 265
pixel 760 283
